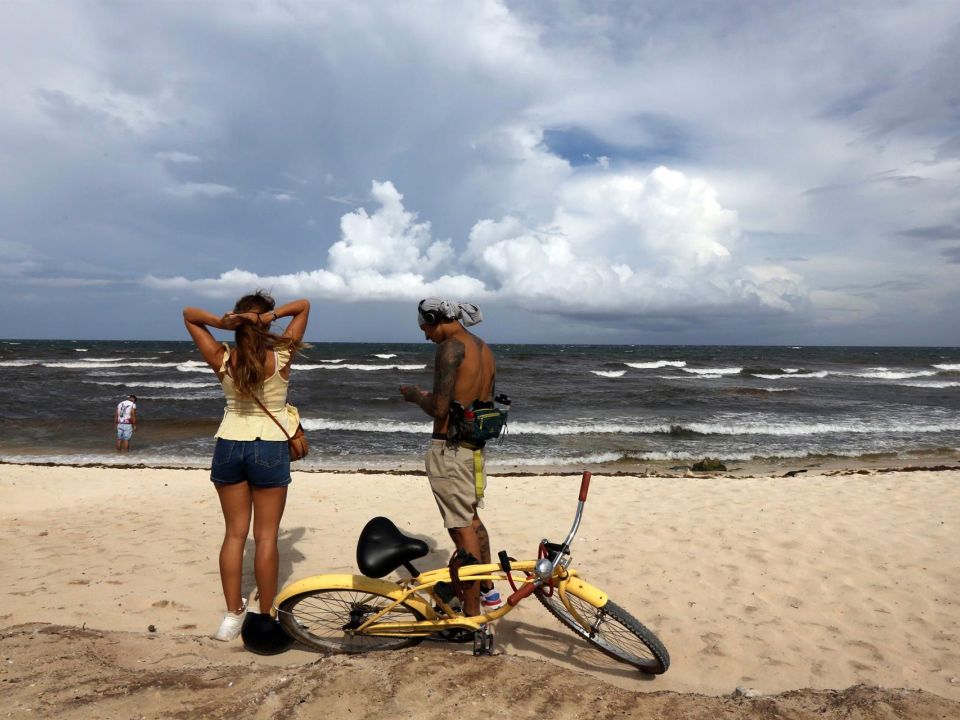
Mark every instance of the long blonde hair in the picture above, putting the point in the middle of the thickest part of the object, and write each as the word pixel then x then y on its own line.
pixel 254 342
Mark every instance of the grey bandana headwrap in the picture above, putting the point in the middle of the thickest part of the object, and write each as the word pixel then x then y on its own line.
pixel 467 313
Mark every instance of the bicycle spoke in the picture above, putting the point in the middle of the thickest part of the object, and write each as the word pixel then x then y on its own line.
pixel 612 630
pixel 329 618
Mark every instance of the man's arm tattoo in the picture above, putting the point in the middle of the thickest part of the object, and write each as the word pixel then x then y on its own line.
pixel 450 355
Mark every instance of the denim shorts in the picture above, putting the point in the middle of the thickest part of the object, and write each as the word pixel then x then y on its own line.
pixel 124 431
pixel 262 463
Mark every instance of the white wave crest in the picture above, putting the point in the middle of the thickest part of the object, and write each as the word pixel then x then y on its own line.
pixel 591 427
pixel 18 363
pixel 352 366
pixel 91 364
pixel 793 375
pixel 953 367
pixel 713 371
pixel 385 356
pixel 376 426
pixel 185 398
pixel 609 373
pixel 194 366
pixel 151 384
pixel 932 384
pixel 656 364
pixel 584 427
pixel 805 429
pixel 885 374
pixel 557 461
pixel 80 349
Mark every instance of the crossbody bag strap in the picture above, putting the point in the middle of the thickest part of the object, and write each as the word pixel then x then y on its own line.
pixel 264 408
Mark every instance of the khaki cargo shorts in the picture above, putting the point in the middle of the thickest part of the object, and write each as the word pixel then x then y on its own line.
pixel 458 481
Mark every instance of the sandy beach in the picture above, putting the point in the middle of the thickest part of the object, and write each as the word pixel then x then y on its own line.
pixel 844 586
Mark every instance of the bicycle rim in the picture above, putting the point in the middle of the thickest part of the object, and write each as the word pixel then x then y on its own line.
pixel 324 620
pixel 613 631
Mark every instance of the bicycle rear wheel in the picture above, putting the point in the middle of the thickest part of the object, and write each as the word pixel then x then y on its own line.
pixel 613 631
pixel 324 620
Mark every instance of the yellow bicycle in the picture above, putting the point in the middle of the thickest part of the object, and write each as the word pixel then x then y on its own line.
pixel 361 613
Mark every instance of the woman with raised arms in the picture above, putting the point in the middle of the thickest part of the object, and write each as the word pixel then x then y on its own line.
pixel 251 461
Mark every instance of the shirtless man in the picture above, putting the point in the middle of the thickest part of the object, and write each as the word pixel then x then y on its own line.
pixel 464 371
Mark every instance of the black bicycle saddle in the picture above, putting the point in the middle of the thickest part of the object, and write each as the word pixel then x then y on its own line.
pixel 382 548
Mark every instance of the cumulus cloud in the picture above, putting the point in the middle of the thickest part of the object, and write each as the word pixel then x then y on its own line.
pixel 384 255
pixel 388 241
pixel 624 244
pixel 616 244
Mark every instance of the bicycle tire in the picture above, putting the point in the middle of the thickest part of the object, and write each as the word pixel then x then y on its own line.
pixel 615 632
pixel 320 619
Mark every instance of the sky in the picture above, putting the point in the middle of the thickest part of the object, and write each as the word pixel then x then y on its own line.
pixel 643 172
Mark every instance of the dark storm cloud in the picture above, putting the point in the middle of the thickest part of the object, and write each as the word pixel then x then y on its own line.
pixel 180 141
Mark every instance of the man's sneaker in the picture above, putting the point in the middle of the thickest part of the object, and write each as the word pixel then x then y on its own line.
pixel 490 599
pixel 231 624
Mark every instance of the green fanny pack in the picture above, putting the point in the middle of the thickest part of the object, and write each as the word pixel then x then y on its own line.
pixel 480 422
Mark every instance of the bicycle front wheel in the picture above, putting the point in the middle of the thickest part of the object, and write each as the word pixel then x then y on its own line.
pixel 612 630
pixel 326 620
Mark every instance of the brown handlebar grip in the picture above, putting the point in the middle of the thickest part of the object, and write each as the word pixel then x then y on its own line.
pixel 584 485
pixel 520 594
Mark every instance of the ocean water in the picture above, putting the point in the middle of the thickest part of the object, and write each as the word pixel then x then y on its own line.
pixel 604 407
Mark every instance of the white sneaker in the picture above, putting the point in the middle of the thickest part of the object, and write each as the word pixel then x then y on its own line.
pixel 490 600
pixel 231 624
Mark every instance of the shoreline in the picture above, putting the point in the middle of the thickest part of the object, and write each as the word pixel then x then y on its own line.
pixel 774 467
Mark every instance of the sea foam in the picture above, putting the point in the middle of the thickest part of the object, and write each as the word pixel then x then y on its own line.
pixel 656 364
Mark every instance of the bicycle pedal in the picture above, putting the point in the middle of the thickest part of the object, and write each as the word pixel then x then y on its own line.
pixel 483 641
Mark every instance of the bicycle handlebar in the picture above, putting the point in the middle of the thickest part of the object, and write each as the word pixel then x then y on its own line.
pixel 584 485
pixel 520 594
pixel 531 586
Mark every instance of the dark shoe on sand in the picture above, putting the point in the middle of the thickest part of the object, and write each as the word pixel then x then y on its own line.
pixel 263 635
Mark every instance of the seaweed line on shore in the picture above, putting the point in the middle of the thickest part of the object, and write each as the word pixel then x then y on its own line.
pixel 646 473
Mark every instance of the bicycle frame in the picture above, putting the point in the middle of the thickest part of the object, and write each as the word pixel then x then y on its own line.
pixel 418 592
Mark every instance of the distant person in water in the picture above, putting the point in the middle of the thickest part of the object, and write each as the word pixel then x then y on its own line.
pixel 126 420
pixel 251 461
pixel 464 372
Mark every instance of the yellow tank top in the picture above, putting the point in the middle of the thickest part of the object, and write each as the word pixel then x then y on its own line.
pixel 242 417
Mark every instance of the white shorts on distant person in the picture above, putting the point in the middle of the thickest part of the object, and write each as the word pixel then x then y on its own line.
pixel 124 431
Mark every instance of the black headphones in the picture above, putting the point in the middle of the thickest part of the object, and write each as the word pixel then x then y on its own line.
pixel 430 317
